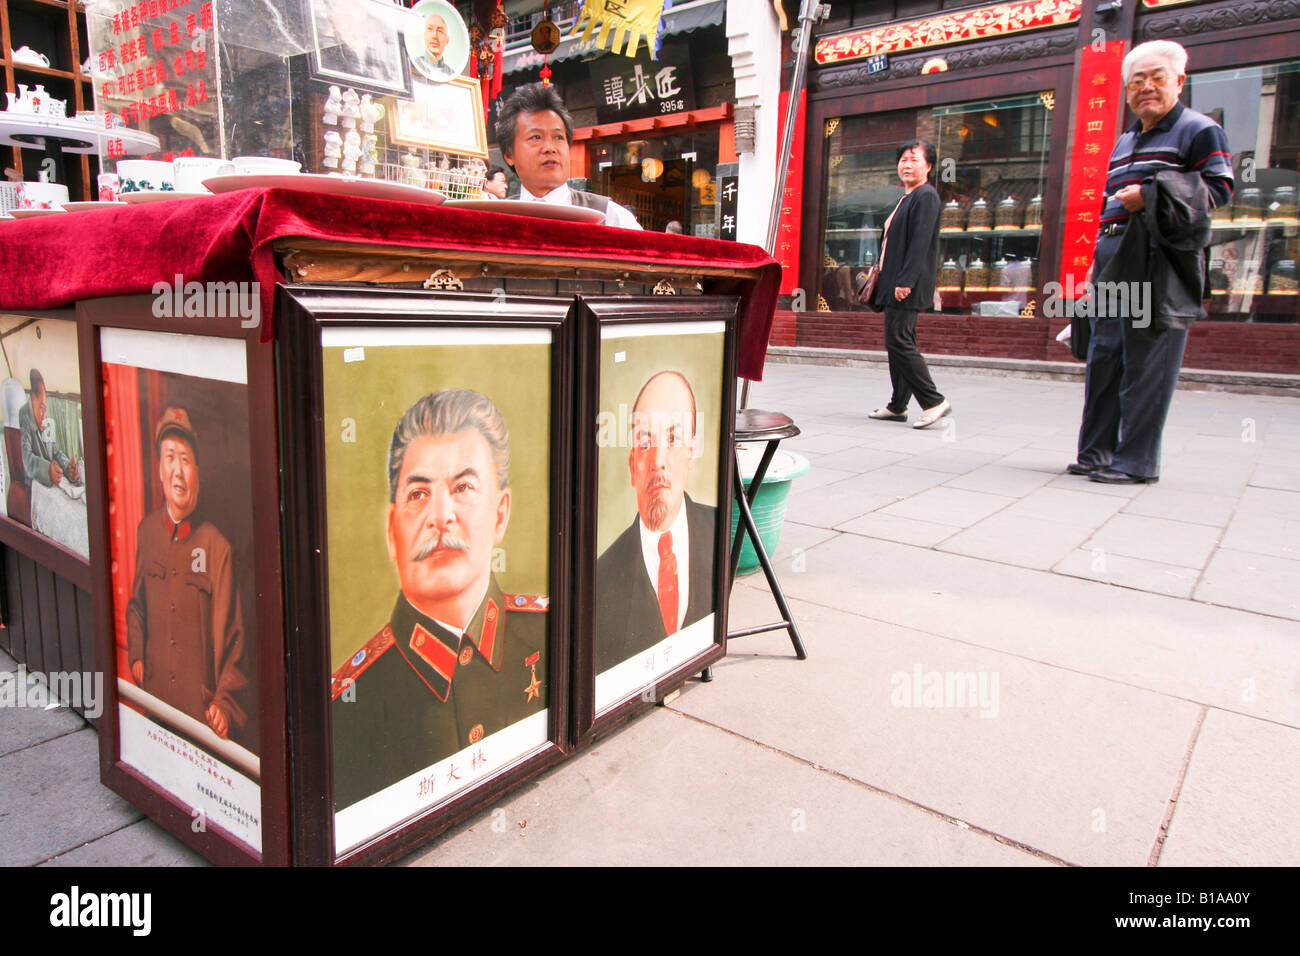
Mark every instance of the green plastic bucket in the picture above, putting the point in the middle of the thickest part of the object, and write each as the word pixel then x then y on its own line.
pixel 769 506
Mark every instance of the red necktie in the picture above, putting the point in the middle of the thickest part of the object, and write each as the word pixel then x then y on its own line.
pixel 667 582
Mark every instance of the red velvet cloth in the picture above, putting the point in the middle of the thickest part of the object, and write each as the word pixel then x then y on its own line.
pixel 52 261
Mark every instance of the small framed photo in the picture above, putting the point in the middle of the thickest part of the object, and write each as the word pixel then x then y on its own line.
pixel 436 40
pixel 358 43
pixel 439 507
pixel 42 463
pixel 446 116
pixel 664 400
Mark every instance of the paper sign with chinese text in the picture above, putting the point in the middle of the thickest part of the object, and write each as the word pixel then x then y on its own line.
pixel 1099 100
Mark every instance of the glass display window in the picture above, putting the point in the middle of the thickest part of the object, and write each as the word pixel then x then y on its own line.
pixel 1256 238
pixel 991 169
pixel 663 179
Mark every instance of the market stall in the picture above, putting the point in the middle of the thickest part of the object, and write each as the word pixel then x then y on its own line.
pixel 386 504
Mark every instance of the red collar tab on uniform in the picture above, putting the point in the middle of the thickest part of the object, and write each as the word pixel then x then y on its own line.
pixel 178 532
pixel 436 654
pixel 487 640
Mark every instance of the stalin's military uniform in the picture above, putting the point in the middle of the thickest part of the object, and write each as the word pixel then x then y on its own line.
pixel 185 625
pixel 420 692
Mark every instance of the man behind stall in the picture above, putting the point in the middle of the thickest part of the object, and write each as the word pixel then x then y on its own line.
pixel 535 131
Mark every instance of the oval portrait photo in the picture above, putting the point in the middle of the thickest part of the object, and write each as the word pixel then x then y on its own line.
pixel 437 42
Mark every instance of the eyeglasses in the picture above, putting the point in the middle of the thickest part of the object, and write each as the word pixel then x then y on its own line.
pixel 1158 79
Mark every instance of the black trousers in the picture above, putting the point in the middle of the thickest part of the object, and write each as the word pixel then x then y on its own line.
pixel 907 369
pixel 1128 388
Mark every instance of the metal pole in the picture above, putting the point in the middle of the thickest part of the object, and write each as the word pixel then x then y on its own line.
pixel 810 12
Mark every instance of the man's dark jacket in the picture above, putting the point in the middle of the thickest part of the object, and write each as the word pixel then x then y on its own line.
pixel 627 610
pixel 1165 245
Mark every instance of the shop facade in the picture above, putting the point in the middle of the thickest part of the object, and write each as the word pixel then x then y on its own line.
pixel 658 134
pixel 1023 103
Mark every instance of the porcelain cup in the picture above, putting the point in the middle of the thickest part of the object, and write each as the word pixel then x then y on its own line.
pixel 192 170
pixel 264 165
pixel 145 175
pixel 42 196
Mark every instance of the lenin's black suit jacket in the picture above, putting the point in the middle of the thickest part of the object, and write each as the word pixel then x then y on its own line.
pixel 627 611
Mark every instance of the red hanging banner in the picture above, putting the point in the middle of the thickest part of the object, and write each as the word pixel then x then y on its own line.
pixel 788 232
pixel 1098 101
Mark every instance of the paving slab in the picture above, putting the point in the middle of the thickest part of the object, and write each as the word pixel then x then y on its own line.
pixel 1194 507
pixel 1253 582
pixel 53 800
pixel 138 844
pixel 998 479
pixel 823 443
pixel 947 505
pixel 1096 564
pixel 26 726
pixel 668 790
pixel 894 527
pixel 1065 505
pixel 1039 754
pixel 831 505
pixel 952 458
pixel 819 475
pixel 1156 539
pixel 1218 656
pixel 1238 802
pixel 1021 540
pixel 858 459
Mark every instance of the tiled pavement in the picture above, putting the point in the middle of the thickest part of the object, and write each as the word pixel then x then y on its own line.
pixel 1007 664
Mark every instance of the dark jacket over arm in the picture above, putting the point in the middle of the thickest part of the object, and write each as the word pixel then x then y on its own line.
pixel 912 251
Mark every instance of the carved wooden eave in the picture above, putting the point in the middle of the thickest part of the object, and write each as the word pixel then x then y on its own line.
pixel 972 56
pixel 1189 21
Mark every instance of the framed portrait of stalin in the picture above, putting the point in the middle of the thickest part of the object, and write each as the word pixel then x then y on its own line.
pixel 437 445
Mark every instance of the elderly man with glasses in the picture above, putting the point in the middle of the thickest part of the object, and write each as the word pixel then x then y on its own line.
pixel 1131 376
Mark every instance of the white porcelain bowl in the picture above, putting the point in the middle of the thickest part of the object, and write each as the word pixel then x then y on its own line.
pixel 145 175
pixel 264 165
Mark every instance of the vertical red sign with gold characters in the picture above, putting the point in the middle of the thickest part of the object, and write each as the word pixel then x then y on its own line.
pixel 787 233
pixel 1096 115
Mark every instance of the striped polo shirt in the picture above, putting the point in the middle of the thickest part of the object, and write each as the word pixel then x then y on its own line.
pixel 1184 140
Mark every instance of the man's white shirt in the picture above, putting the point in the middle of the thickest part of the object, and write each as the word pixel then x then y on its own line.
pixel 681 548
pixel 615 215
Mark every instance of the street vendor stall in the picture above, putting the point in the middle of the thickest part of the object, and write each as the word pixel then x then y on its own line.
pixel 285 336
pixel 371 504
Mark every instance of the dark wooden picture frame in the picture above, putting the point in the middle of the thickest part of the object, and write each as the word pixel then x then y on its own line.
pixel 329 68
pixel 307 311
pixel 23 538
pixel 602 312
pixel 264 618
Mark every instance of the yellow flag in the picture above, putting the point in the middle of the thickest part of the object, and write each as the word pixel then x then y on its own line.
pixel 630 20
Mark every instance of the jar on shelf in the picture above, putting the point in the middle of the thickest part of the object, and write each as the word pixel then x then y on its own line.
pixel 1284 205
pixel 1034 213
pixel 1249 206
pixel 980 217
pixel 977 277
pixel 1282 278
pixel 1008 216
pixel 998 277
pixel 1218 278
pixel 953 217
pixel 949 276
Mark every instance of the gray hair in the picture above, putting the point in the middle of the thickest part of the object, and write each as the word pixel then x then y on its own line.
pixel 532 98
pixel 449 413
pixel 1171 51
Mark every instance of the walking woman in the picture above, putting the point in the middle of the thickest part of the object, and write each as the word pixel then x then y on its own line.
pixel 909 260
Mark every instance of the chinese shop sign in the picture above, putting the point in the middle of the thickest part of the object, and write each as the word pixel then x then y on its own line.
pixel 787 233
pixel 635 89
